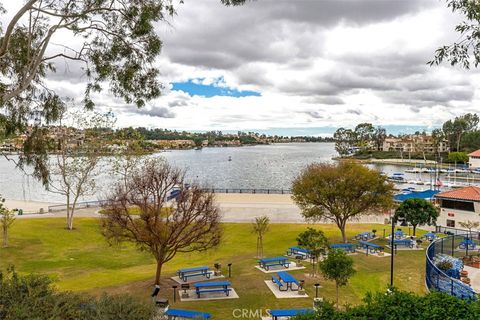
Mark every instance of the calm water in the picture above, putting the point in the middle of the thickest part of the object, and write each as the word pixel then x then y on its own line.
pixel 259 167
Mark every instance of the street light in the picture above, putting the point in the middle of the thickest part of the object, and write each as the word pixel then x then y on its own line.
pixel 392 236
pixel 174 293
pixel 317 285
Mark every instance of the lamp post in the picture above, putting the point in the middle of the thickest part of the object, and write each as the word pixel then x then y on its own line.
pixel 229 270
pixel 317 285
pixel 392 236
pixel 174 293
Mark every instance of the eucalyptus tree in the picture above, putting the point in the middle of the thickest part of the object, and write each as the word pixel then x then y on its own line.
pixel 111 44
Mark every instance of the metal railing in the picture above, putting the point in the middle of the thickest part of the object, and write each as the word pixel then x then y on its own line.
pixel 79 205
pixel 436 279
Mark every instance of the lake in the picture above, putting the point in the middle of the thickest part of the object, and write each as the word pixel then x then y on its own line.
pixel 249 167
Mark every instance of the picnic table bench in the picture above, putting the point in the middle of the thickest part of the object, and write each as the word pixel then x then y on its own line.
pixel 398 234
pixel 184 274
pixel 288 313
pixel 467 244
pixel 266 263
pixel 289 280
pixel 279 283
pixel 348 247
pixel 373 248
pixel 214 286
pixel 298 251
pixel 186 314
pixel 364 236
pixel 405 242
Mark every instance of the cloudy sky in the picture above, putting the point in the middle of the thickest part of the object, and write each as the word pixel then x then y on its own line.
pixel 302 67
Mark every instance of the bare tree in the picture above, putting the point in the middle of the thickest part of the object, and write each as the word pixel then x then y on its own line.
pixel 260 227
pixel 189 223
pixel 7 217
pixel 75 164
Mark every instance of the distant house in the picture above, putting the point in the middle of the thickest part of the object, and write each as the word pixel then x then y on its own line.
pixel 415 143
pixel 474 159
pixel 459 205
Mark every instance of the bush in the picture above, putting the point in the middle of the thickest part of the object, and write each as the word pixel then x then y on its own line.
pixel 444 265
pixel 33 297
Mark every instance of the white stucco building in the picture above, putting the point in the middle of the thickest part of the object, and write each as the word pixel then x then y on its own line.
pixel 474 159
pixel 458 205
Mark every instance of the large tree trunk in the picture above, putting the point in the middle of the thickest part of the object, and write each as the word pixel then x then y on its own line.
pixel 158 273
pixel 342 227
pixel 414 229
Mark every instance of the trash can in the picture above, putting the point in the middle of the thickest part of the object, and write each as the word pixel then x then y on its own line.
pixel 20 212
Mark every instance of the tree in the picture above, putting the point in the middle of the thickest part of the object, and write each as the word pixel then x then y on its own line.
pixel 364 133
pixel 344 140
pixel 379 136
pixel 458 157
pixel 469 225
pixel 465 50
pixel 455 129
pixel 189 223
pixel 26 297
pixel 76 162
pixel 315 241
pixel 7 217
pixel 437 137
pixel 417 212
pixel 337 266
pixel 470 141
pixel 260 227
pixel 111 43
pixel 341 192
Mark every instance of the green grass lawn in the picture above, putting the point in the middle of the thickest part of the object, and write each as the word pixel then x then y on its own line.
pixel 81 260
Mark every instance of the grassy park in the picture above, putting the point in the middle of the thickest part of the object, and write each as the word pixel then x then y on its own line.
pixel 81 260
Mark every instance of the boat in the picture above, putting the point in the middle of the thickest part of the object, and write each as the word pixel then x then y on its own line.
pixel 397 177
pixel 229 158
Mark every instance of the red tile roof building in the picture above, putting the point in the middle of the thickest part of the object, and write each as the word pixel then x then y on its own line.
pixel 459 205
pixel 474 159
pixel 471 193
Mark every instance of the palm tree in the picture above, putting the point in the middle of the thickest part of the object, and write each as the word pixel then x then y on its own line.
pixel 260 227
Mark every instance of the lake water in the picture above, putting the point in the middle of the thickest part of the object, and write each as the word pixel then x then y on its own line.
pixel 251 167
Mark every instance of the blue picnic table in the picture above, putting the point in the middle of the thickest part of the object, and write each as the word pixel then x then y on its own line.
pixel 430 236
pixel 364 236
pixel 405 242
pixel 298 251
pixel 368 246
pixel 214 286
pixel 467 244
pixel 288 313
pixel 398 234
pixel 186 314
pixel 348 247
pixel 266 263
pixel 184 274
pixel 289 280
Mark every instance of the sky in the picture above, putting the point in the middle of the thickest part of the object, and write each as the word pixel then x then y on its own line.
pixel 300 67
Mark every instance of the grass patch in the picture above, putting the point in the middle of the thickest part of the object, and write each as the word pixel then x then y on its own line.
pixel 81 260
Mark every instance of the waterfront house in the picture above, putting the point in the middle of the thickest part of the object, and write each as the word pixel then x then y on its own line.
pixel 474 159
pixel 458 205
pixel 416 143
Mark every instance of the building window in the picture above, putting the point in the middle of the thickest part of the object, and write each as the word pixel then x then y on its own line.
pixel 458 205
pixel 451 223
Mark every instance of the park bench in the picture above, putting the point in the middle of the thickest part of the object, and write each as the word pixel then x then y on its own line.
pixel 288 313
pixel 398 234
pixel 216 286
pixel 406 243
pixel 279 283
pixel 467 244
pixel 373 248
pixel 347 247
pixel 184 274
pixel 186 314
pixel 299 252
pixel 266 263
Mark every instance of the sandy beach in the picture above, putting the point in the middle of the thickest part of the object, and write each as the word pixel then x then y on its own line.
pixel 235 207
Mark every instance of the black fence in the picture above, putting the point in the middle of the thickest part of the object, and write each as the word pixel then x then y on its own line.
pixel 439 280
pixel 79 205
pixel 251 191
